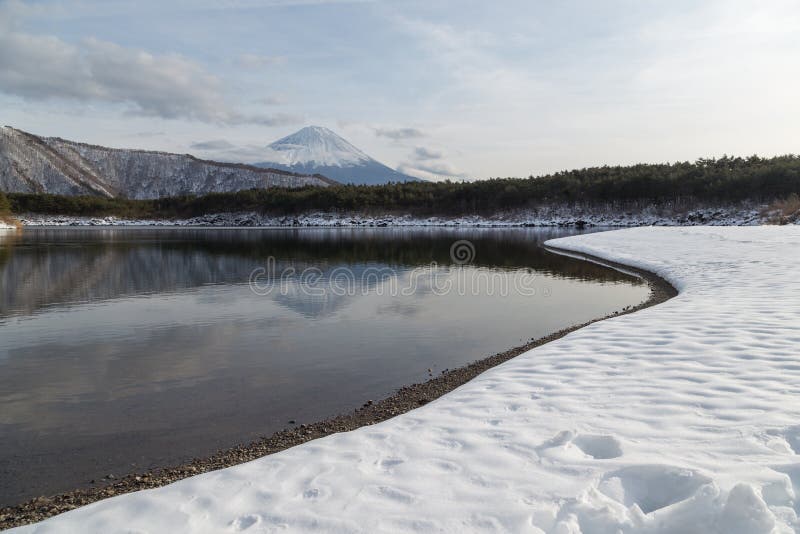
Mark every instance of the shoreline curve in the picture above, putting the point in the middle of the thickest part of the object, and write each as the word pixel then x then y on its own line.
pixel 403 400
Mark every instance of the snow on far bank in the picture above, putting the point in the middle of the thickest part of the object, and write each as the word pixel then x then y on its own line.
pixel 681 418
pixel 558 216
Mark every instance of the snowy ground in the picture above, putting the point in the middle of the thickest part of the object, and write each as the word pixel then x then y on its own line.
pixel 559 215
pixel 678 418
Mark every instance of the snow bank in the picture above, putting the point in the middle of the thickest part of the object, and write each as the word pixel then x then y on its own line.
pixel 679 418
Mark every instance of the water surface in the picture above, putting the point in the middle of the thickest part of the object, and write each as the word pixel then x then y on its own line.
pixel 125 349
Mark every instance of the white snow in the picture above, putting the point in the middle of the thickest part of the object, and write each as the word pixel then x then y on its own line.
pixel 679 418
pixel 316 146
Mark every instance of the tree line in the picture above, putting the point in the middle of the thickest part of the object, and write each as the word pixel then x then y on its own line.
pixel 5 205
pixel 726 179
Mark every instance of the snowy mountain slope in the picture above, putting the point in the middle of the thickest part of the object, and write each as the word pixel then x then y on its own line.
pixel 32 164
pixel 315 149
pixel 315 145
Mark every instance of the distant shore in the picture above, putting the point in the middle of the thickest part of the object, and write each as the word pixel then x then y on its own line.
pixel 554 216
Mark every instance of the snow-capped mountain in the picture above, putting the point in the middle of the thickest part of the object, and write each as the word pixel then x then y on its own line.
pixel 32 164
pixel 318 150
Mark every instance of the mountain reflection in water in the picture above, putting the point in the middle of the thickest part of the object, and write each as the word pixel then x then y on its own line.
pixel 149 346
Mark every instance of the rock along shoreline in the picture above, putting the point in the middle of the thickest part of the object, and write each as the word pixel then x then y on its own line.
pixel 551 216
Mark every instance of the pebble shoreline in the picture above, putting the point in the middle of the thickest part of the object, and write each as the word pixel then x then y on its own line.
pixel 552 217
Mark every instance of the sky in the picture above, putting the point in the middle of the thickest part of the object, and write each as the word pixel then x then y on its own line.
pixel 461 89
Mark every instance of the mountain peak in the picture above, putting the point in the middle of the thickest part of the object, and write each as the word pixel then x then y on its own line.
pixel 312 133
pixel 315 145
pixel 318 130
pixel 316 149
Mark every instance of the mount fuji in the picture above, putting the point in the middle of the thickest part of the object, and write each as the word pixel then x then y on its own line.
pixel 318 150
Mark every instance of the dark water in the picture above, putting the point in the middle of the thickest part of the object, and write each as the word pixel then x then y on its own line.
pixel 123 349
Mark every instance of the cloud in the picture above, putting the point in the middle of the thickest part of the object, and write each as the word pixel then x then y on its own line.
pixel 147 133
pixel 273 100
pixel 432 171
pixel 256 61
pixel 249 4
pixel 429 164
pixel 424 154
pixel 469 60
pixel 442 169
pixel 214 144
pixel 223 150
pixel 41 67
pixel 276 119
pixel 398 134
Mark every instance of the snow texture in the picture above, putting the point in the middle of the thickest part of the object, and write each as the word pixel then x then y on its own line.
pixel 681 418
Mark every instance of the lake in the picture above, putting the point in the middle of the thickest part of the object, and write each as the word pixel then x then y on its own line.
pixel 130 348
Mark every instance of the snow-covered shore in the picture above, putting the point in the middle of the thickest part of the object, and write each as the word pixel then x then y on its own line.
pixel 679 418
pixel 559 216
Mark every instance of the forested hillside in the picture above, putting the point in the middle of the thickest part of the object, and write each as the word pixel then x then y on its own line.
pixel 724 180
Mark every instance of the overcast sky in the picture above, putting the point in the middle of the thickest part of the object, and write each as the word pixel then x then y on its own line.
pixel 460 88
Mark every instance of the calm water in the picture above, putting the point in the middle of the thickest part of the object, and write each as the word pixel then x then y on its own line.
pixel 123 349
